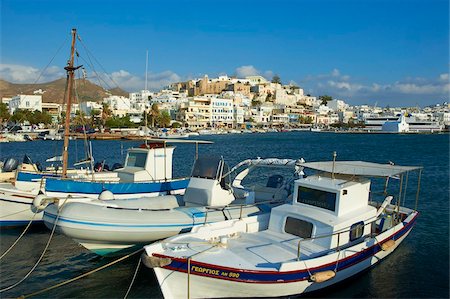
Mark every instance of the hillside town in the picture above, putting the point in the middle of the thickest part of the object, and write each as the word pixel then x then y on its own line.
pixel 225 104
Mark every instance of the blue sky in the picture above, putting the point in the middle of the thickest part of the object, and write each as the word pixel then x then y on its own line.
pixel 392 52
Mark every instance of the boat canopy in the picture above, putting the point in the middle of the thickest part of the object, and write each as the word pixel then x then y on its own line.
pixel 360 168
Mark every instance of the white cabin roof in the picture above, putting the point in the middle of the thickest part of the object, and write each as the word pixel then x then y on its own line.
pixel 360 168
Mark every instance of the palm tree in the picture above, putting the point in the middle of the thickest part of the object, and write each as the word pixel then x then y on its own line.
pixel 106 113
pixel 154 113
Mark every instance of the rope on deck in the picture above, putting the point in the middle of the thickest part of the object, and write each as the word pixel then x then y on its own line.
pixel 81 276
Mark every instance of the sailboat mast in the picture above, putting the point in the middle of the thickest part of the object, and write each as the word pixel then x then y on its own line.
pixel 70 77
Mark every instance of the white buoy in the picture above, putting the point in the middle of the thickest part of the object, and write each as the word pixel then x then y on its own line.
pixel 40 202
pixel 106 195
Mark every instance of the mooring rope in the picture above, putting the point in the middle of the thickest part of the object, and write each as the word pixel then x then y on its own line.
pixel 80 276
pixel 43 252
pixel 21 235
pixel 132 280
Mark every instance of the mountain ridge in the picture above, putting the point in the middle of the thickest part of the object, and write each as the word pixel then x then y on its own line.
pixel 54 90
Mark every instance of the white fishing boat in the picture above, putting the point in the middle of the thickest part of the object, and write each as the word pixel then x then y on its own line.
pixel 107 225
pixel 147 172
pixel 330 232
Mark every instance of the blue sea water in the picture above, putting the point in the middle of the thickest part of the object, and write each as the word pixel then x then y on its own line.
pixel 419 268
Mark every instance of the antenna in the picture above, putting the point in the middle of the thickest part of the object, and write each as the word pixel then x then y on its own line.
pixel 146 69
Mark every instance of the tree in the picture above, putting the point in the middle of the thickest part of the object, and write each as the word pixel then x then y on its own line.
pixel 106 113
pixel 21 115
pixel 176 125
pixel 4 113
pixel 276 79
pixel 163 119
pixel 154 113
pixel 325 99
pixel 38 117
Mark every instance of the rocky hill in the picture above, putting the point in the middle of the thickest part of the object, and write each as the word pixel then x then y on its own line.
pixel 54 91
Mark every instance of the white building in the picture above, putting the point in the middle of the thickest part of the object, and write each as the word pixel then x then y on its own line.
pixel 139 101
pixel 119 105
pixel 337 105
pixel 88 107
pixel 26 102
pixel 222 112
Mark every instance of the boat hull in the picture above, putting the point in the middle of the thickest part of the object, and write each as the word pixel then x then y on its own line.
pixel 17 205
pixel 106 230
pixel 206 280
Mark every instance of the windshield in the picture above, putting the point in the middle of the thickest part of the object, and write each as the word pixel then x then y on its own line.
pixel 206 167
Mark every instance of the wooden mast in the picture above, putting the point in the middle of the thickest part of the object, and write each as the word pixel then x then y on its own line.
pixel 70 77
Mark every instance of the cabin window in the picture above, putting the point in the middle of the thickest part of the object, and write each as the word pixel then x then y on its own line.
pixel 356 231
pixel 136 159
pixel 317 198
pixel 298 227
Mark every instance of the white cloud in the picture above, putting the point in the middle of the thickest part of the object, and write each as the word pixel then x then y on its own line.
pixel 444 77
pixel 410 90
pixel 246 70
pixel 250 70
pixel 155 81
pixel 27 74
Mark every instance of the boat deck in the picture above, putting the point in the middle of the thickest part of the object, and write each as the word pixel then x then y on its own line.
pixel 265 250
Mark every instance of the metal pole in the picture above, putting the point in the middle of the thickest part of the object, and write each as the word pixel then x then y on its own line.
pixel 406 187
pixel 165 161
pixel 334 161
pixel 418 189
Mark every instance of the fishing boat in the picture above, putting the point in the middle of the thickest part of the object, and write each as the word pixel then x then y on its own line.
pixel 108 225
pixel 331 230
pixel 147 172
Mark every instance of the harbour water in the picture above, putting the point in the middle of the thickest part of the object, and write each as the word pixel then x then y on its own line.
pixel 419 268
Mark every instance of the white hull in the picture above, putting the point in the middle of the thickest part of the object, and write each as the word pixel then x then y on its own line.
pixel 105 230
pixel 174 284
pixel 16 207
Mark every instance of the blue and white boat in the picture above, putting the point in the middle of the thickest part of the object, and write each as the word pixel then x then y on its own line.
pixel 147 172
pixel 329 232
pixel 108 225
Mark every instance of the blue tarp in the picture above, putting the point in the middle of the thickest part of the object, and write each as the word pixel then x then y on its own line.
pixel 67 186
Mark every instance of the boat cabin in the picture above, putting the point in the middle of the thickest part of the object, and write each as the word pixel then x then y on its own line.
pixel 323 206
pixel 209 184
pixel 146 163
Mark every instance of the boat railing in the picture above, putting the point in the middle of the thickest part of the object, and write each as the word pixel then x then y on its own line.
pixel 373 233
pixel 240 207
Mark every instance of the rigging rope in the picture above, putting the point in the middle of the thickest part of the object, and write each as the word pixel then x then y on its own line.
pixel 81 276
pixel 42 255
pixel 40 75
pixel 22 234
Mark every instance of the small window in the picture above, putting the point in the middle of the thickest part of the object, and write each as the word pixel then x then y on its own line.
pixel 356 231
pixel 298 227
pixel 136 159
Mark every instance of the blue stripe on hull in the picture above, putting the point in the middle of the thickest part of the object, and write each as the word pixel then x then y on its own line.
pixel 62 219
pixel 67 186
